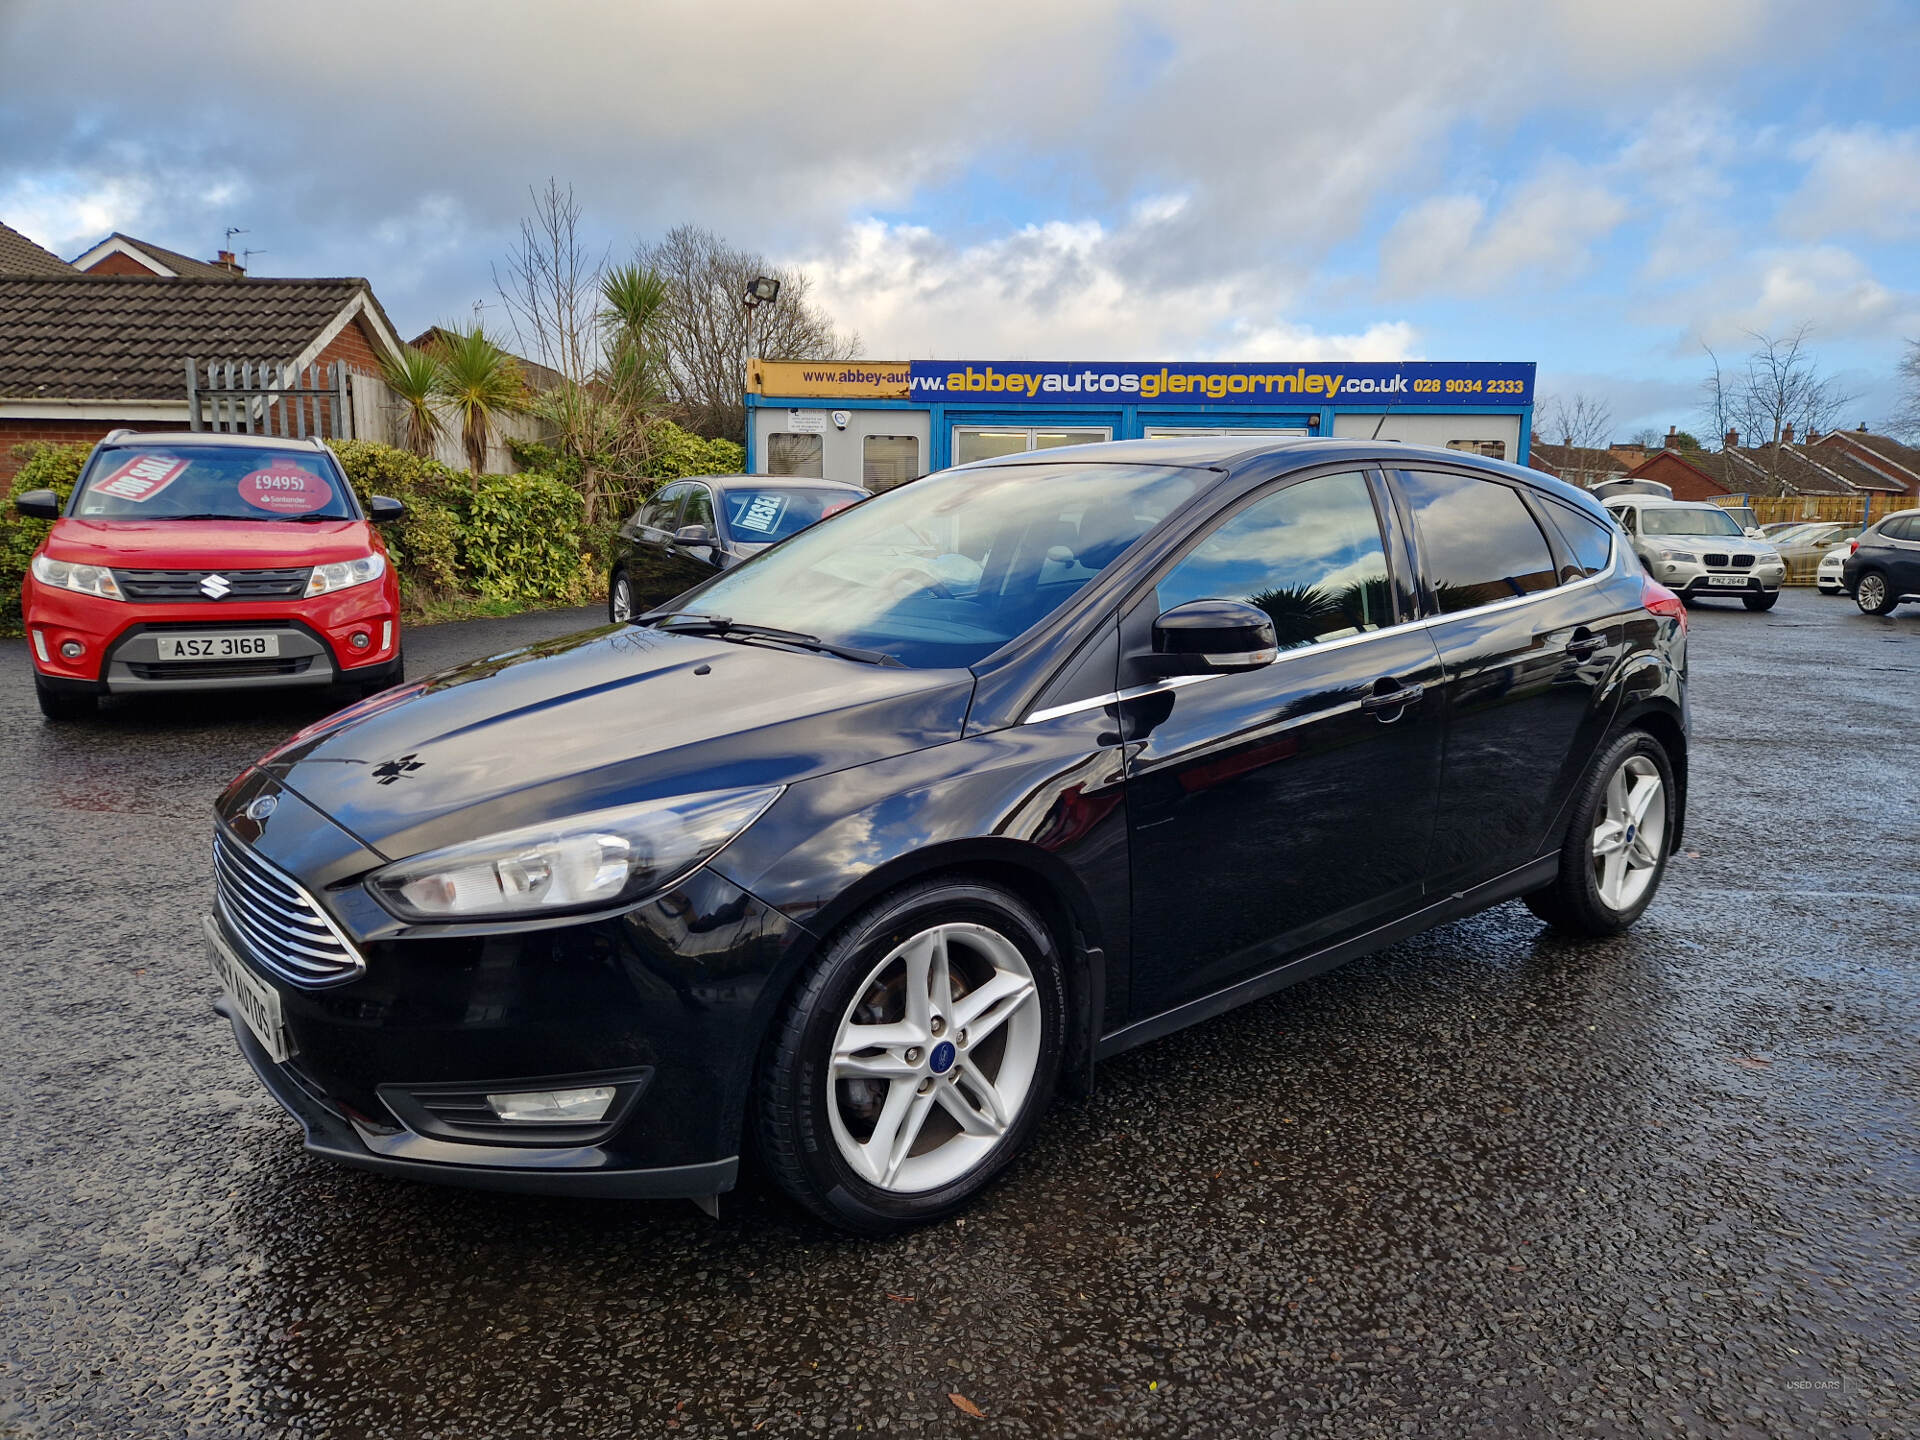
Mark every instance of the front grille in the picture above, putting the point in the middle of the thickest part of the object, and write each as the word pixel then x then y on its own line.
pixel 1715 560
pixel 219 669
pixel 163 585
pixel 1743 562
pixel 275 921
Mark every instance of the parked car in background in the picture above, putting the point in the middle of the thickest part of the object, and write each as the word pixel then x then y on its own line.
pixel 1827 577
pixel 199 562
pixel 1699 550
pixel 1804 549
pixel 1779 529
pixel 877 839
pixel 1883 569
pixel 693 529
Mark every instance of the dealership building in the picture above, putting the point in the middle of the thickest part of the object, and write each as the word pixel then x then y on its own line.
pixel 880 423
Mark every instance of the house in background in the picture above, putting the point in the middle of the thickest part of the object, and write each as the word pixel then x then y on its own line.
pixel 123 255
pixel 1575 464
pixel 20 256
pixel 84 354
pixel 1862 453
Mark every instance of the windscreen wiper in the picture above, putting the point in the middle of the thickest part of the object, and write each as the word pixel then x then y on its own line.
pixel 699 623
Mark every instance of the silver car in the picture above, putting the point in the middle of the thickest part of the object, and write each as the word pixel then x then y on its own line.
pixel 1696 549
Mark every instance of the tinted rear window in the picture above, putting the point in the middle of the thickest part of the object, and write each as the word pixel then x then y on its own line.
pixel 772 512
pixel 1590 540
pixel 1478 542
pixel 176 482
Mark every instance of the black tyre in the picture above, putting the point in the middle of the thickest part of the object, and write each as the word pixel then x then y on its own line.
pixel 63 704
pixel 1766 600
pixel 1872 593
pixel 1617 845
pixel 915 1057
pixel 619 598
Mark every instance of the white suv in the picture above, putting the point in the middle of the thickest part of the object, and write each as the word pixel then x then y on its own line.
pixel 1696 549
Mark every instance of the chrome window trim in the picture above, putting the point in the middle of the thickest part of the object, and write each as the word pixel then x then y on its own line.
pixel 1425 622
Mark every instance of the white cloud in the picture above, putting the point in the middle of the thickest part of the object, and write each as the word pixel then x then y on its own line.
pixel 1458 244
pixel 1864 180
pixel 1061 290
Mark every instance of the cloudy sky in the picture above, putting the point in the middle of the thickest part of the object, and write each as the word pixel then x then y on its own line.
pixel 1600 187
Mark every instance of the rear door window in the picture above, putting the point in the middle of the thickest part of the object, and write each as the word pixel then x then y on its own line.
pixel 1478 541
pixel 1590 540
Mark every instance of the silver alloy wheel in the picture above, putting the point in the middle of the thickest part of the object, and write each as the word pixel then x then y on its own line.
pixel 1630 833
pixel 621 601
pixel 1871 592
pixel 934 1058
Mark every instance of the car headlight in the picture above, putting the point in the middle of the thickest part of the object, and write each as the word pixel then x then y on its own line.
pixel 1670 556
pixel 582 862
pixel 345 573
pixel 86 579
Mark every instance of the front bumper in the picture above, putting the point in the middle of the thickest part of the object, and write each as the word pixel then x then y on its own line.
pixel 672 996
pixel 118 653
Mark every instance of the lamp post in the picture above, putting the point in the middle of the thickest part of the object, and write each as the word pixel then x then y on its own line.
pixel 761 290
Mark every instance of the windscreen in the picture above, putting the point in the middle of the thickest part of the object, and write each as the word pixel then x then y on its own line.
pixel 209 482
pixel 768 513
pixel 1679 521
pixel 944 571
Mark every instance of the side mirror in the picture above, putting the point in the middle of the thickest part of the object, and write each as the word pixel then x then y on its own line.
pixel 38 504
pixel 1212 637
pixel 384 508
pixel 693 535
pixel 1754 532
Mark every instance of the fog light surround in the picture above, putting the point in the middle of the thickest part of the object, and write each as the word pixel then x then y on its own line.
pixel 359 639
pixel 585 1106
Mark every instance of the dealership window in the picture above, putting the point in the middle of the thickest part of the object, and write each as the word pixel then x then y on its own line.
pixel 794 454
pixel 889 460
pixel 988 443
pixel 1492 449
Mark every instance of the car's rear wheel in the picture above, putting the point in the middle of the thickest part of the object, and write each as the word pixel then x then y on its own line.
pixel 619 598
pixel 1765 600
pixel 915 1059
pixel 1616 848
pixel 63 704
pixel 1872 593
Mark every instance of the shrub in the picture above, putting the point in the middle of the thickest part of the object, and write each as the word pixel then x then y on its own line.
pixel 48 467
pixel 522 540
pixel 673 453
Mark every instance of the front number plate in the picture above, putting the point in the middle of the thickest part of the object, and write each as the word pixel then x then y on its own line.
pixel 1730 582
pixel 257 1002
pixel 237 645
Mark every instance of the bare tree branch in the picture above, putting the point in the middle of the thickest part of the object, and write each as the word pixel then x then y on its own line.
pixel 1584 423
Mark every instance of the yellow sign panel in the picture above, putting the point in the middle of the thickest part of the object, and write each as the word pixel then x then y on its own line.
pixel 829 379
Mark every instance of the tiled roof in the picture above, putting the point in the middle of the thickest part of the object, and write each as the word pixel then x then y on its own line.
pixel 184 266
pixel 1899 464
pixel 1790 474
pixel 1574 463
pixel 129 337
pixel 20 256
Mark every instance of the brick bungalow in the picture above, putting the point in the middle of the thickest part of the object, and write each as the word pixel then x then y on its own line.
pixel 1575 464
pixel 1891 463
pixel 84 354
pixel 1782 470
pixel 124 255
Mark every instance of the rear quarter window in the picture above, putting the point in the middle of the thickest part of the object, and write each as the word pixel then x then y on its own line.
pixel 1589 539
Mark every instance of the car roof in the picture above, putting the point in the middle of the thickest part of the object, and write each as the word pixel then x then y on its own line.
pixel 789 482
pixel 212 437
pixel 1235 452
pixel 1660 502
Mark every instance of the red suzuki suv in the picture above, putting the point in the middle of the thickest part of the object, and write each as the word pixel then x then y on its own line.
pixel 195 562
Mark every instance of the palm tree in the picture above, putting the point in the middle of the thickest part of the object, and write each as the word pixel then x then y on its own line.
pixel 479 383
pixel 636 297
pixel 414 378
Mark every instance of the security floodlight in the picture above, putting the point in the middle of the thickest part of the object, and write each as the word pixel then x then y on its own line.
pixel 762 290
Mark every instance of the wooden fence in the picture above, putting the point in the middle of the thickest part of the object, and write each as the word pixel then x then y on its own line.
pixel 269 398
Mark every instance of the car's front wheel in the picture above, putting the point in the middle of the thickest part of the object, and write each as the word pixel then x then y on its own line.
pixel 916 1057
pixel 1765 600
pixel 1872 593
pixel 1616 849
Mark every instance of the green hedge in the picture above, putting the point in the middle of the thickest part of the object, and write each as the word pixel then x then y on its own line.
pixel 514 539
pixel 48 467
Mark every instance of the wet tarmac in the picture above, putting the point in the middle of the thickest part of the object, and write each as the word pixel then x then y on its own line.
pixel 1488 1181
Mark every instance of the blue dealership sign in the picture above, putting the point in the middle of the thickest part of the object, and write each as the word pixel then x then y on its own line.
pixel 1372 383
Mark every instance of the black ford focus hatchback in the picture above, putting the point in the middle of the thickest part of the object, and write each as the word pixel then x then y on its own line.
pixel 861 851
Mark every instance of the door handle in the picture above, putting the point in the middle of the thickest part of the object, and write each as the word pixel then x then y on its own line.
pixel 1584 643
pixel 1391 695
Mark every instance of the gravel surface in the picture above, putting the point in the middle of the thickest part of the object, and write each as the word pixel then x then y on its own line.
pixel 1486 1181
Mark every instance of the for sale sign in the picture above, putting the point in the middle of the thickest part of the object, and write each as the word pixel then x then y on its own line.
pixel 285 489
pixel 142 478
